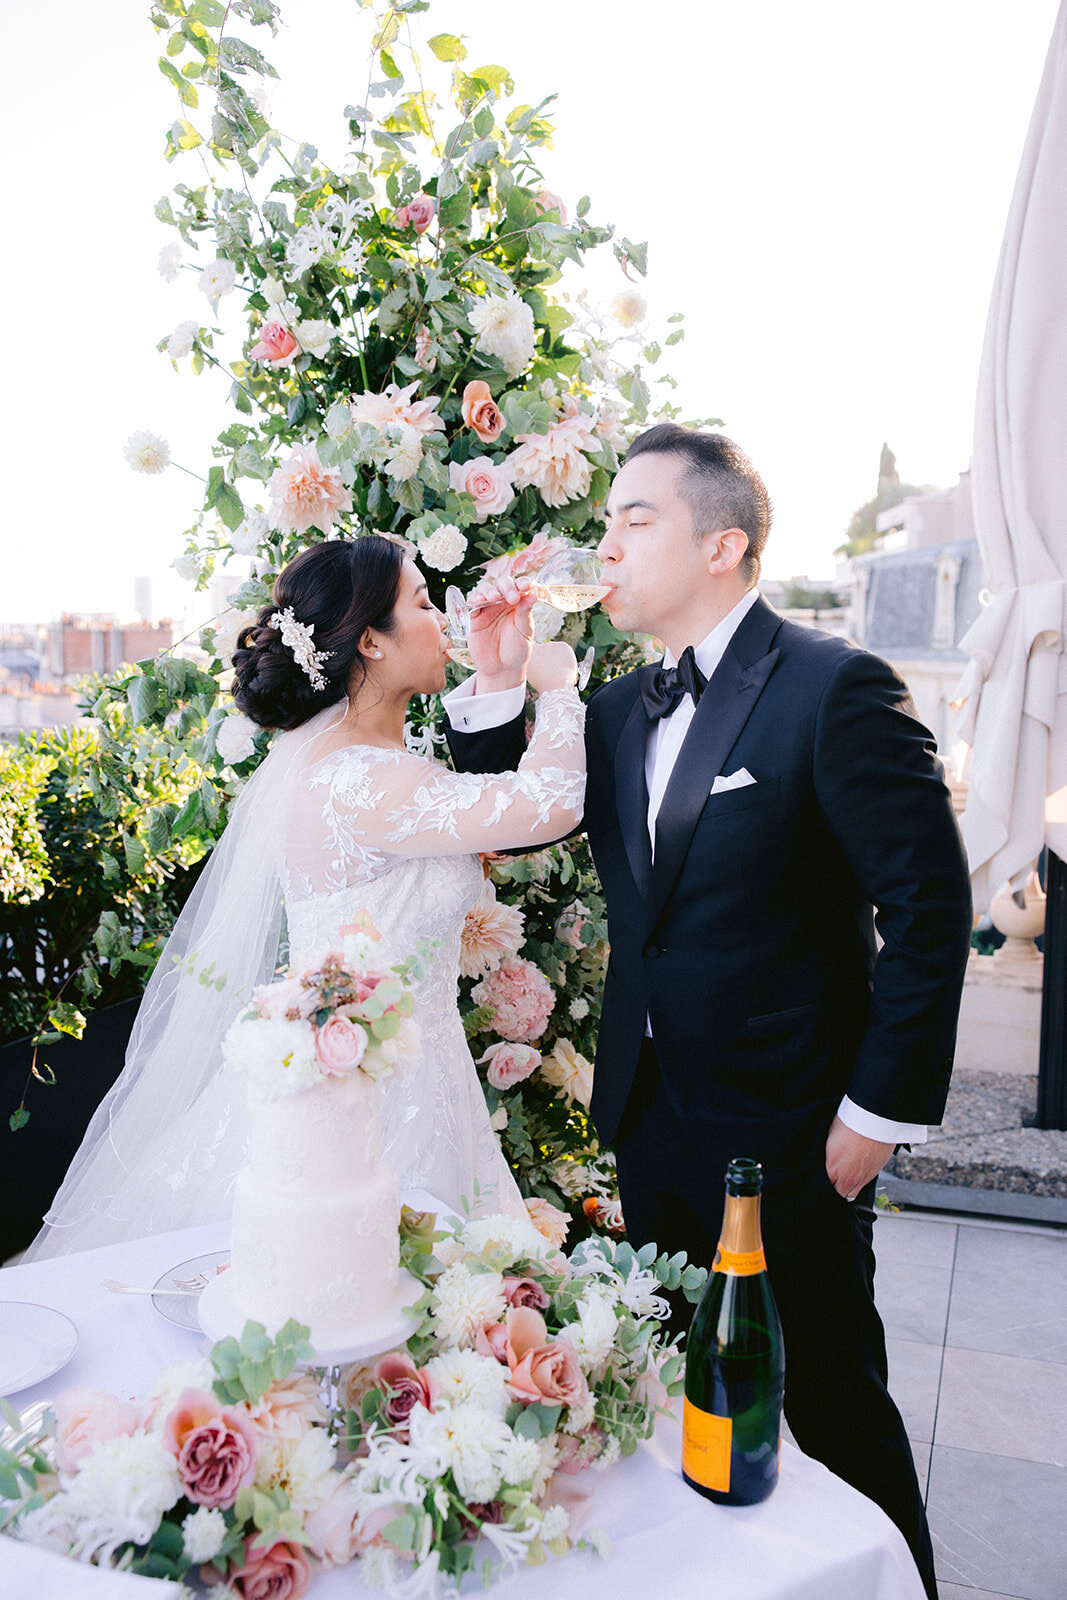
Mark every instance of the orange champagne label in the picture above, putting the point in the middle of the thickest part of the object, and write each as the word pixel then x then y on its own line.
pixel 739 1263
pixel 706 1447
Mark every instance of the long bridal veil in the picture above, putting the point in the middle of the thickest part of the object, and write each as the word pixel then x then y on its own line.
pixel 163 1148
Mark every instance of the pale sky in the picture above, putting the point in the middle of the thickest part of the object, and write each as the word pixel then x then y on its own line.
pixel 823 189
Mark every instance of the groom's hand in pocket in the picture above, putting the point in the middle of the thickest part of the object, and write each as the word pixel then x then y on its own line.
pixel 852 1159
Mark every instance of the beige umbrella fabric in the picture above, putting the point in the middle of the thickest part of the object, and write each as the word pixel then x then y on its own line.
pixel 1015 686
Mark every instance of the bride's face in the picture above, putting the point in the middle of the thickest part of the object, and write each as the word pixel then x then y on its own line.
pixel 415 650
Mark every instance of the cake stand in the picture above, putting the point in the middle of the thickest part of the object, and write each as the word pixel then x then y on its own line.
pixel 220 1318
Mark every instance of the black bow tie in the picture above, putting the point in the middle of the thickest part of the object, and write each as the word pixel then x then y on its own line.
pixel 662 689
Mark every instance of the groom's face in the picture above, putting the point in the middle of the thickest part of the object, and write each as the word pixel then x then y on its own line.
pixel 656 569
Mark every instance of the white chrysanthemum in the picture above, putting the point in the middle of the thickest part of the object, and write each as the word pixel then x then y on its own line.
pixel 608 1456
pixel 444 548
pixel 147 452
pixel 468 1378
pixel 628 308
pixel 234 738
pixel 469 1440
pixel 579 1418
pixel 218 279
pixel 514 1234
pixel 521 1461
pixel 250 532
pixel 593 1335
pixel 182 340
pixel 579 1008
pixel 279 1056
pixel 187 567
pixel 180 1375
pixel 549 1450
pixel 504 325
pixel 554 1523
pixel 465 1301
pixel 169 261
pixel 314 336
pixel 121 1490
pixel 203 1531
pixel 303 1467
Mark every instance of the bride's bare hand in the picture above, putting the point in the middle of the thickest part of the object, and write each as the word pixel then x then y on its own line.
pixel 552 666
pixel 501 630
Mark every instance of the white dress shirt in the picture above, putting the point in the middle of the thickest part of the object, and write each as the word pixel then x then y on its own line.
pixel 469 712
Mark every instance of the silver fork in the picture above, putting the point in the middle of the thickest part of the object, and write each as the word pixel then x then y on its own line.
pixel 191 1286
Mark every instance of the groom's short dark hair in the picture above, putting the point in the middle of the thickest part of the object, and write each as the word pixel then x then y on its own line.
pixel 720 485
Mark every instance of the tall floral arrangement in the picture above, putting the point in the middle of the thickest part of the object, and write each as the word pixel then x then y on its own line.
pixel 405 356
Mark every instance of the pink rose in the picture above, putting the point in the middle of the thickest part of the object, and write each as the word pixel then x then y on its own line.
pixel 489 484
pixel 406 1387
pixel 333 1527
pixel 84 1416
pixel 340 1046
pixel 521 996
pixel 424 350
pixel 276 344
pixel 548 200
pixel 508 1064
pixel 492 1340
pixel 281 1572
pixel 551 1223
pixel 216 1448
pixel 525 1292
pixel 418 213
pixel 481 412
pixel 541 1371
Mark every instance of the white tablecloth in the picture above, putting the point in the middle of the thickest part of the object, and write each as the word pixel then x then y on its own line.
pixel 814 1539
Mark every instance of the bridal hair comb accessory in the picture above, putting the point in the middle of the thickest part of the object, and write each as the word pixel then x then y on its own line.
pixel 297 636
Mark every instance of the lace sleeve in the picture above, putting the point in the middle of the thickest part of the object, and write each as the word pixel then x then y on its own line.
pixel 404 805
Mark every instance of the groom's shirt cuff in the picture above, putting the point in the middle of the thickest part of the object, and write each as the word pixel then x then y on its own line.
pixel 880 1128
pixel 474 713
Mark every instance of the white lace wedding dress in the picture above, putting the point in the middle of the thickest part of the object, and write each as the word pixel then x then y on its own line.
pixel 363 828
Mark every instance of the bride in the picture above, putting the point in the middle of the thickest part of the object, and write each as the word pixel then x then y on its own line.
pixel 339 818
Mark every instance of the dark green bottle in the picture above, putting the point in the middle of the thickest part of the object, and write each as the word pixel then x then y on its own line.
pixel 735 1360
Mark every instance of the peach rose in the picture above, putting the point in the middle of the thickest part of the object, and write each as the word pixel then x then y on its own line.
pixel 276 344
pixel 507 1064
pixel 340 1046
pixel 541 1371
pixel 418 213
pixel 548 200
pixel 281 1572
pixel 551 1223
pixel 353 1382
pixel 83 1417
pixel 406 1387
pixel 525 1292
pixel 481 412
pixel 492 1341
pixel 216 1448
pixel 489 484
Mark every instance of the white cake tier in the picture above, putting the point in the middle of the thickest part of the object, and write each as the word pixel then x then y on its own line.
pixel 329 1259
pixel 325 1139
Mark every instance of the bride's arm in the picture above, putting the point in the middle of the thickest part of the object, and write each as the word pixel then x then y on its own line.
pixel 405 805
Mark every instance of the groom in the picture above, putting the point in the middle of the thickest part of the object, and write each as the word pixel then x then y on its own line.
pixel 749 801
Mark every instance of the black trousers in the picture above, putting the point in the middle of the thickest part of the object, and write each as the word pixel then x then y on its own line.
pixel 821 1266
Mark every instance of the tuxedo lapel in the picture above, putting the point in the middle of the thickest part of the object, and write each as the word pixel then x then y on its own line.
pixel 724 708
pixel 631 795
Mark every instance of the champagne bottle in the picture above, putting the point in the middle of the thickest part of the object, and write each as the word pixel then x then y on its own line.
pixel 735 1361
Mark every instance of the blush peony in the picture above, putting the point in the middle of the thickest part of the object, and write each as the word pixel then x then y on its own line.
pixel 522 999
pixel 306 494
pixel 488 483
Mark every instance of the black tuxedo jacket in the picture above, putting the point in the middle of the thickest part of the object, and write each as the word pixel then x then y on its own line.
pixel 749 941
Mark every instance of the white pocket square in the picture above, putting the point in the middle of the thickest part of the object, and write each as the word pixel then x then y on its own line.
pixel 736 780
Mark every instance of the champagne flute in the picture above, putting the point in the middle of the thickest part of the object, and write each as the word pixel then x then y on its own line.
pixel 569 581
pixel 458 614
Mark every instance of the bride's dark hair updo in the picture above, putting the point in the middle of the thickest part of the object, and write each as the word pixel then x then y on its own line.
pixel 341 588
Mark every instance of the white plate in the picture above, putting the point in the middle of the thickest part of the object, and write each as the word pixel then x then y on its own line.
pixel 35 1341
pixel 182 1308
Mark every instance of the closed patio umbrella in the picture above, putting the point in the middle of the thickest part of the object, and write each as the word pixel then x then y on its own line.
pixel 1015 686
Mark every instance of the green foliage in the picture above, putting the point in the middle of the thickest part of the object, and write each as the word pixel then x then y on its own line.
pixel 245 1368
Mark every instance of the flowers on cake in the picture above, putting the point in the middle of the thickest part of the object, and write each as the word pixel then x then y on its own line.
pixel 326 1021
pixel 469 1444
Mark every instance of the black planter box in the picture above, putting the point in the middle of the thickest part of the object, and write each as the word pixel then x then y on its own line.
pixel 34 1160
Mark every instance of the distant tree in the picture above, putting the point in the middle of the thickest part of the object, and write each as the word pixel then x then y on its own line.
pixel 798 598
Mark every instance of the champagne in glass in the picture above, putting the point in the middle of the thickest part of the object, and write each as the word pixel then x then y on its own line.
pixel 458 614
pixel 735 1361
pixel 569 581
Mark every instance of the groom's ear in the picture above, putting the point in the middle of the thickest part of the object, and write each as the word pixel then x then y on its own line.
pixel 725 550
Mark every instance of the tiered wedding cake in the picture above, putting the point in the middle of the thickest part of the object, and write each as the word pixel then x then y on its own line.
pixel 315 1212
